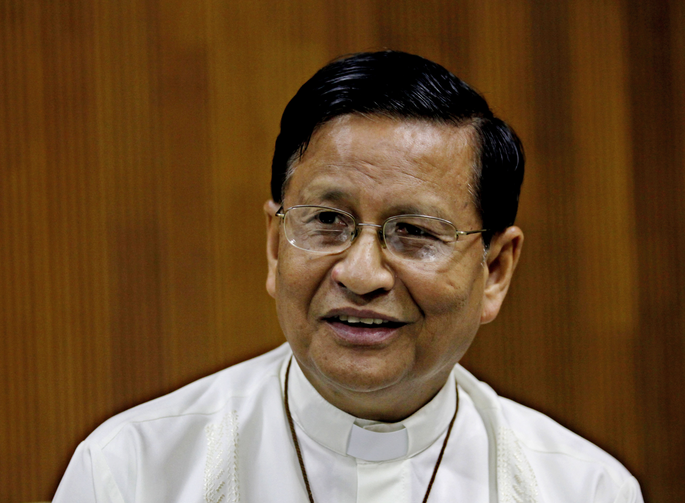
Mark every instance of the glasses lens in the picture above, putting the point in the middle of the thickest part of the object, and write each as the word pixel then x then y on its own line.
pixel 318 229
pixel 420 238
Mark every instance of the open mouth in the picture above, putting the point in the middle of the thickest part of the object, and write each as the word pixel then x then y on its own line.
pixel 353 321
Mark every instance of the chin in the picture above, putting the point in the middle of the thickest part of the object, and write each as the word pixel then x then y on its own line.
pixel 364 373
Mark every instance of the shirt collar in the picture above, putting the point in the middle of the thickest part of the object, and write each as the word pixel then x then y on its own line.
pixel 332 427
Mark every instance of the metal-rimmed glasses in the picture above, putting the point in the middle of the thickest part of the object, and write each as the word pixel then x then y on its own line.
pixel 324 230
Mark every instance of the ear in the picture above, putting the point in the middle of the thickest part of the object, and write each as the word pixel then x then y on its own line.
pixel 503 256
pixel 272 240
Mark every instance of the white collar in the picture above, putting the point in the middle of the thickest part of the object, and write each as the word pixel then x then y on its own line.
pixel 336 430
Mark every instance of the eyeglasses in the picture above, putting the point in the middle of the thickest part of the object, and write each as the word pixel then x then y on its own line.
pixel 324 230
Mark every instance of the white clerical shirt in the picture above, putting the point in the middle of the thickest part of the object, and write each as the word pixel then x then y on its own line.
pixel 225 438
pixel 326 436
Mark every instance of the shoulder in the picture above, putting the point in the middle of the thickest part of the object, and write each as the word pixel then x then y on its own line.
pixel 203 398
pixel 130 456
pixel 539 433
pixel 566 466
pixel 565 463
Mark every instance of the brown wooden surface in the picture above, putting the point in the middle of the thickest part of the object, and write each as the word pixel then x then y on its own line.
pixel 135 145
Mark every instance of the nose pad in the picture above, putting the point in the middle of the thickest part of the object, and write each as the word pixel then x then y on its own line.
pixel 379 233
pixel 381 239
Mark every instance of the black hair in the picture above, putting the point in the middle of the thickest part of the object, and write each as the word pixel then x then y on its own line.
pixel 404 86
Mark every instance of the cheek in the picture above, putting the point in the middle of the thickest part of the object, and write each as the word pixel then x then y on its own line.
pixel 451 304
pixel 292 308
pixel 298 277
pixel 447 295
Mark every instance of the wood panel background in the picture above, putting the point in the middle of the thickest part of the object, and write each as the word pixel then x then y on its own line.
pixel 135 145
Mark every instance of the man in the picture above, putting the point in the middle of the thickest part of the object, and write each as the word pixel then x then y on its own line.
pixel 390 240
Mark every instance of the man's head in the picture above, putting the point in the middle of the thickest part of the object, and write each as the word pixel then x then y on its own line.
pixel 377 314
pixel 404 86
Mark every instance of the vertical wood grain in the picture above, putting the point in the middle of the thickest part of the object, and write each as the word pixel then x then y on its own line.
pixel 135 147
pixel 657 127
pixel 606 231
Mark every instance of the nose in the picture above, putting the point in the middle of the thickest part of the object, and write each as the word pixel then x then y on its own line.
pixel 362 269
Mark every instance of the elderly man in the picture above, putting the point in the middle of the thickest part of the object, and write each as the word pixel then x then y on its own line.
pixel 390 240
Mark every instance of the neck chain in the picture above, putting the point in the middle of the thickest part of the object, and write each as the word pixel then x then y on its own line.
pixel 299 451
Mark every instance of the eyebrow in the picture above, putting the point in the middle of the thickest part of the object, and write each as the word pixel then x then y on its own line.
pixel 410 209
pixel 331 196
pixel 335 196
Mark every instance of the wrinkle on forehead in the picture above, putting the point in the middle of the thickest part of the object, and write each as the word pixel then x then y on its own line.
pixel 375 163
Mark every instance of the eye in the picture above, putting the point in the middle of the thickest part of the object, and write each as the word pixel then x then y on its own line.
pixel 320 220
pixel 330 218
pixel 409 230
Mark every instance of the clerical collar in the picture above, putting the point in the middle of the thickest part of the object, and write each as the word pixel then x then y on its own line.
pixel 364 439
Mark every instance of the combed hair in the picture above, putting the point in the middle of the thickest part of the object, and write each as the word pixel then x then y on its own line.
pixel 400 86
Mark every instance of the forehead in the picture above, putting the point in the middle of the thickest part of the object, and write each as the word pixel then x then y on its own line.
pixel 398 165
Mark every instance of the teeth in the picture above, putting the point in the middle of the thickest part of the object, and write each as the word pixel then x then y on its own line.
pixel 366 321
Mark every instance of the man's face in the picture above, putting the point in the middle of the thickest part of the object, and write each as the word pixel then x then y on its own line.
pixel 375 168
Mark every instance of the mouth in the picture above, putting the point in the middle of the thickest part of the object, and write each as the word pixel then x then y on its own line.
pixel 354 321
pixel 366 331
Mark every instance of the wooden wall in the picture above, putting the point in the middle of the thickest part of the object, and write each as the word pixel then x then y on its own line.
pixel 135 144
